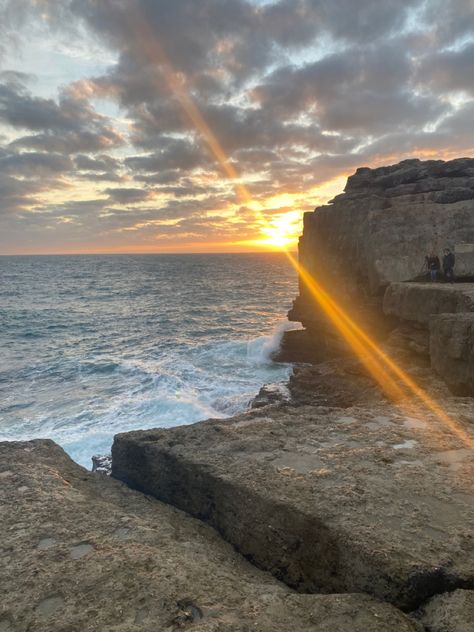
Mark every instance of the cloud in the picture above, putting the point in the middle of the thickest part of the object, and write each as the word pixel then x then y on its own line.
pixel 449 70
pixel 69 125
pixel 97 163
pixel 35 164
pixel 295 93
pixel 128 195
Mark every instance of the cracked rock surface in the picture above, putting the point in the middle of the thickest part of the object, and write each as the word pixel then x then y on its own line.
pixel 376 499
pixel 81 552
pixel 451 612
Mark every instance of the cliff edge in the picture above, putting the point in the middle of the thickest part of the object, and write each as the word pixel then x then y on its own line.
pixel 367 248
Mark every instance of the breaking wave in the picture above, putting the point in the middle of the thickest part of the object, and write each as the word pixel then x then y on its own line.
pixel 83 374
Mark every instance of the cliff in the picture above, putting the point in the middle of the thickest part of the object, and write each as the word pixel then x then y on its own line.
pixel 378 231
pixel 367 247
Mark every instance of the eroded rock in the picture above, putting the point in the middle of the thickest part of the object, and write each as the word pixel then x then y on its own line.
pixel 451 612
pixel 452 350
pixel 328 500
pixel 83 552
pixel 418 302
pixel 102 464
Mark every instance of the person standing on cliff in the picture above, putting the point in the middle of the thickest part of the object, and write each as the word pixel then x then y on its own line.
pixel 448 265
pixel 433 264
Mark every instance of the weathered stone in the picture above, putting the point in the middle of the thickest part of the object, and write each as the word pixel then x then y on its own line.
pixel 451 612
pixel 372 240
pixel 365 499
pixel 270 394
pixel 83 552
pixel 418 302
pixel 299 345
pixel 102 464
pixel 339 383
pixel 379 231
pixel 452 350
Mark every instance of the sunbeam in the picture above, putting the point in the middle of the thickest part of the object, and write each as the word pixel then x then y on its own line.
pixel 393 380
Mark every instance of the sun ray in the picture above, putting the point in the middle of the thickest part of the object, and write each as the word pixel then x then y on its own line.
pixel 387 373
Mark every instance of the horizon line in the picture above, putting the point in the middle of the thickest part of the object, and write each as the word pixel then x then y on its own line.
pixel 102 254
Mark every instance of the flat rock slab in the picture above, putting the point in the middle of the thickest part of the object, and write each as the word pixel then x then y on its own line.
pixel 83 553
pixel 418 302
pixel 328 500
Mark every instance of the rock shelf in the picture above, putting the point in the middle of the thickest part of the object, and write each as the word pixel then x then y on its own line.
pixel 83 553
pixel 328 500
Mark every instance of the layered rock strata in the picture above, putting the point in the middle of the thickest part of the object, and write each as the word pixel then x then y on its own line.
pixel 367 244
pixel 378 231
pixel 80 551
pixel 452 350
pixel 419 302
pixel 445 313
pixel 367 499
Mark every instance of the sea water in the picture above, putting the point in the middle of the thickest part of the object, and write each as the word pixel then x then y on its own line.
pixel 95 345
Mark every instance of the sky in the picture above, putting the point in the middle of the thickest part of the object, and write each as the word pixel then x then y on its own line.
pixel 213 125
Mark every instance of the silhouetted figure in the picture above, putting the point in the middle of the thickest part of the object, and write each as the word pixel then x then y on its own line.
pixel 448 265
pixel 433 264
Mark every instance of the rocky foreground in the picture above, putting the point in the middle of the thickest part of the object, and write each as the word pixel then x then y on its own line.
pixel 81 552
pixel 355 500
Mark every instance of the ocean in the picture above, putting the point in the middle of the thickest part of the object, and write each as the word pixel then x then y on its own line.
pixel 96 345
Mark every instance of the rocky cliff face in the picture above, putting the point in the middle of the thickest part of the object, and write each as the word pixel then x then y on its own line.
pixel 379 230
pixel 368 245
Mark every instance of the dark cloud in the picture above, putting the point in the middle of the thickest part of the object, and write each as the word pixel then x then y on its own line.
pixel 367 92
pixel 97 163
pixel 174 154
pixel 35 164
pixel 68 126
pixel 449 21
pixel 128 195
pixel 450 70
pixel 362 20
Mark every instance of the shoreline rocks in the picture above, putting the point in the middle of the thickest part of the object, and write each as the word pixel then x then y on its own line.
pixel 102 464
pixel 84 552
pixel 363 499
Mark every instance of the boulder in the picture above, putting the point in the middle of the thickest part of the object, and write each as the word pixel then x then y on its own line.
pixel 418 302
pixel 102 464
pixel 363 499
pixel 270 394
pixel 83 552
pixel 452 350
pixel 451 612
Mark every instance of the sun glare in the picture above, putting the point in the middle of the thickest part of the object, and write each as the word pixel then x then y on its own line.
pixel 282 230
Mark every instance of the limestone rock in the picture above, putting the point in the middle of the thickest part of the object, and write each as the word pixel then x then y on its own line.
pixel 418 302
pixel 328 500
pixel 451 612
pixel 367 246
pixel 452 350
pixel 270 394
pixel 380 229
pixel 84 553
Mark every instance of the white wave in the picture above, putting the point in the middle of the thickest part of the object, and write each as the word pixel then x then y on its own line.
pixel 271 343
pixel 179 387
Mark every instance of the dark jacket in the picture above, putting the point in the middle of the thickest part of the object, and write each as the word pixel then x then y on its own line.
pixel 448 261
pixel 433 263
